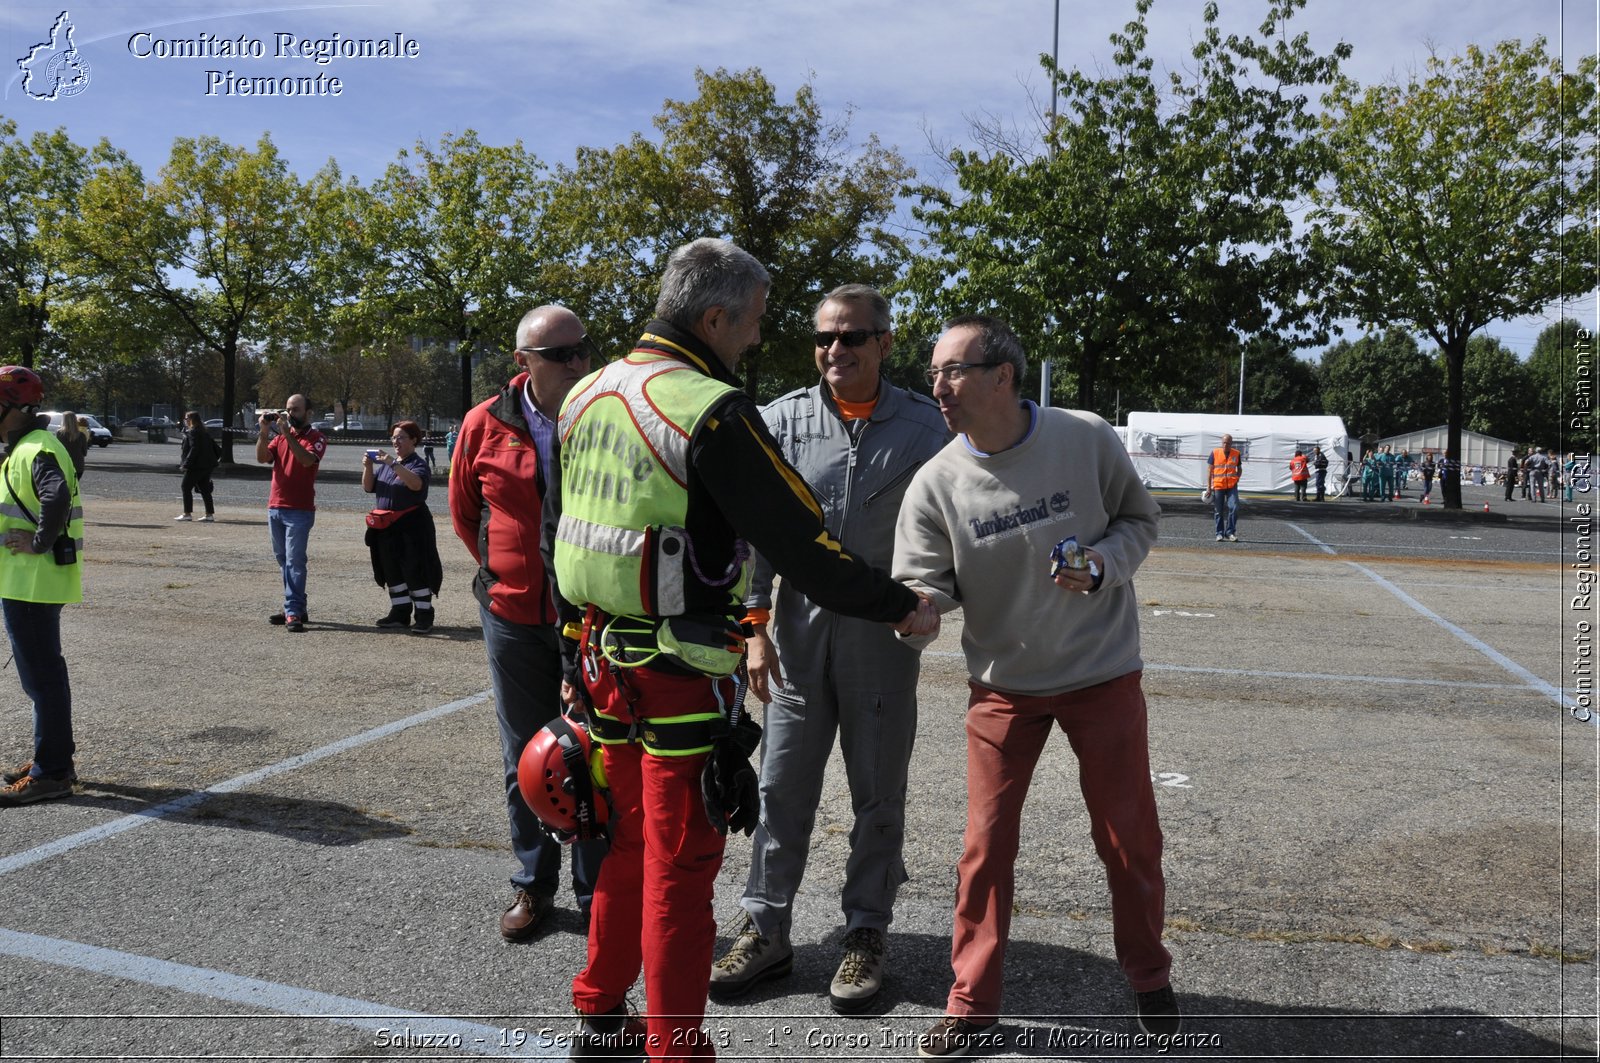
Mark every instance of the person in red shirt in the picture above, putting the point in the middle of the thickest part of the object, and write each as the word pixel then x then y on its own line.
pixel 1300 473
pixel 294 450
pixel 503 478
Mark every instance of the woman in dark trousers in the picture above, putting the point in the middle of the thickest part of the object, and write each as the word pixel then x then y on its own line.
pixel 197 460
pixel 400 535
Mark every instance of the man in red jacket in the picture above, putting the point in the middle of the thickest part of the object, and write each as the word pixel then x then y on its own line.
pixel 504 468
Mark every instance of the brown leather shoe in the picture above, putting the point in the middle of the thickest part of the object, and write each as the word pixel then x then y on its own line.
pixel 521 921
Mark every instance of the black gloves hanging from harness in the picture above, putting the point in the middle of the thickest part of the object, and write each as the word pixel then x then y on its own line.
pixel 729 785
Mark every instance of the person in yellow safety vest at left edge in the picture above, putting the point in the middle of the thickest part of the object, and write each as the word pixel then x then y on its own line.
pixel 41 569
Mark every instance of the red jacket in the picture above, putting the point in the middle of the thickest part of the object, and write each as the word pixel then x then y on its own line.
pixel 497 508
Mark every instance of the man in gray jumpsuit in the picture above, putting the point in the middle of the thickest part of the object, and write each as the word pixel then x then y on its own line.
pixel 857 440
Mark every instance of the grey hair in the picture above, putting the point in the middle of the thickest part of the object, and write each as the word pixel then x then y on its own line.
pixel 705 273
pixel 860 293
pixel 997 342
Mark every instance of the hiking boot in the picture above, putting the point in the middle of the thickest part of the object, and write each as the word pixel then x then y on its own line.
pixel 521 921
pixel 399 616
pixel 860 976
pixel 1158 1012
pixel 614 1034
pixel 952 1036
pixel 751 959
pixel 25 769
pixel 28 789
pixel 294 623
pixel 423 621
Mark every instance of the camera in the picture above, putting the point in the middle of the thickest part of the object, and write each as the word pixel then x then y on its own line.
pixel 271 415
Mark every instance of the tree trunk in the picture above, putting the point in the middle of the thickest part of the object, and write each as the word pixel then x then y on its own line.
pixel 1455 355
pixel 230 363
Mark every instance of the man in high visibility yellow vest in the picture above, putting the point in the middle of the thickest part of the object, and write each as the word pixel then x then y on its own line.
pixel 669 477
pixel 41 569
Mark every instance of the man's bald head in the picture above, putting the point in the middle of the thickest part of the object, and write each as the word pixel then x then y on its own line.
pixel 549 326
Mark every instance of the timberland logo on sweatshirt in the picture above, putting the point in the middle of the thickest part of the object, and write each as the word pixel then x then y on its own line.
pixel 999 522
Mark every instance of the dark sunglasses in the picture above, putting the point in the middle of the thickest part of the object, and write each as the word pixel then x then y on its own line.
pixel 854 338
pixel 584 348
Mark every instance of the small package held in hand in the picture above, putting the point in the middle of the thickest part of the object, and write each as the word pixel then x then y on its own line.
pixel 1067 554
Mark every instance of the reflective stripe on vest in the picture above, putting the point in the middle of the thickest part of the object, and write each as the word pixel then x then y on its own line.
pixel 37 577
pixel 1224 469
pixel 625 435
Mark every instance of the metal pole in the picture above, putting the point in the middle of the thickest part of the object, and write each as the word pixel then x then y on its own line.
pixel 1241 382
pixel 1055 52
pixel 1044 382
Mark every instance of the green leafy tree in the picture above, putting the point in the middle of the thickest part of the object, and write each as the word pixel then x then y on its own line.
pixel 1152 224
pixel 1550 388
pixel 778 179
pixel 1496 391
pixel 227 218
pixel 452 245
pixel 1380 385
pixel 40 181
pixel 1277 381
pixel 1459 199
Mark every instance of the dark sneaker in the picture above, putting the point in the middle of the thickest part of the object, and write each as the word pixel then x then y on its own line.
pixel 25 769
pixel 952 1036
pixel 294 623
pixel 1158 1012
pixel 397 617
pixel 423 621
pixel 521 921
pixel 27 790
pixel 750 960
pixel 860 976
pixel 616 1034
pixel 276 619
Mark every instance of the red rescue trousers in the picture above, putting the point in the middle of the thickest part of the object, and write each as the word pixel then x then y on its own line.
pixel 1106 727
pixel 652 904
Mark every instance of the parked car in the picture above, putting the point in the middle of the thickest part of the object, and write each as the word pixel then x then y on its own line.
pixel 99 434
pixel 351 425
pixel 322 426
pixel 141 423
pixel 215 422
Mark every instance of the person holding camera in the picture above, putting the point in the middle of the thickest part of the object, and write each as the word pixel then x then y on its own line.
pixel 41 569
pixel 400 535
pixel 294 450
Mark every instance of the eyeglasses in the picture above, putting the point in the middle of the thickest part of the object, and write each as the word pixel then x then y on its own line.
pixel 584 348
pixel 853 338
pixel 956 370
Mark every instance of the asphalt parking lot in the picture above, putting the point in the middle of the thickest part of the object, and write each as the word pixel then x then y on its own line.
pixel 1379 808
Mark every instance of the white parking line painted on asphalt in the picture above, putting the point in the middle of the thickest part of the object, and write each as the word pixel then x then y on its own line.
pixel 1257 673
pixel 389 1026
pixel 151 815
pixel 1533 682
pixel 1324 547
pixel 1547 689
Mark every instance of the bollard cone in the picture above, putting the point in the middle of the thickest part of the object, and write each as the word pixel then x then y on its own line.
pixel 1424 499
pixel 1486 507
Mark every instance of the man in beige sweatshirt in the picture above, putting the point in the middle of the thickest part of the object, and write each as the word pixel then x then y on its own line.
pixel 976 530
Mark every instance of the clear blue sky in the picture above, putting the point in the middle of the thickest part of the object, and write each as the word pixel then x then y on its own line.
pixel 557 75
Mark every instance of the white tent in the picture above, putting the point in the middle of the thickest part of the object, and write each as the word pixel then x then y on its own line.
pixel 1170 449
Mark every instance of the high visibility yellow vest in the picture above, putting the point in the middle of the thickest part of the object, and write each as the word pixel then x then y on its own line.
pixel 625 435
pixel 37 577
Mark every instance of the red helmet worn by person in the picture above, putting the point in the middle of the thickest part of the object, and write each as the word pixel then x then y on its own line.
pixel 562 782
pixel 20 386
